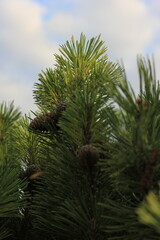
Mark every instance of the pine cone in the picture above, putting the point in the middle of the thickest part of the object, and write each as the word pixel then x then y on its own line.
pixel 32 173
pixel 1 138
pixel 32 169
pixel 88 155
pixel 60 107
pixel 38 123
pixel 44 122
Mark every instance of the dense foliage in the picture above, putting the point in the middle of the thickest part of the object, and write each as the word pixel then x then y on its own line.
pixel 87 166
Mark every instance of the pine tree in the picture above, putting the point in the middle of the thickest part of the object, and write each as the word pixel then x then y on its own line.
pixel 86 167
pixel 73 99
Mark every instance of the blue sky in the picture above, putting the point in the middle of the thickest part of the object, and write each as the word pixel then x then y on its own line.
pixel 31 30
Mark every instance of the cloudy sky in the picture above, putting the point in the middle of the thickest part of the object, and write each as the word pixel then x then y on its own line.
pixel 32 30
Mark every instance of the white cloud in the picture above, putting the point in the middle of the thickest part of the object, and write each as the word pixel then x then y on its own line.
pixel 62 24
pixel 24 47
pixel 20 92
pixel 22 32
pixel 127 26
pixel 157 62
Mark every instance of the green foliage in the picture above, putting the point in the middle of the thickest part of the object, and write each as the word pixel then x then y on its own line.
pixel 12 198
pixel 10 192
pixel 136 132
pixel 8 118
pixel 149 211
pixel 4 233
pixel 133 166
pixel 27 144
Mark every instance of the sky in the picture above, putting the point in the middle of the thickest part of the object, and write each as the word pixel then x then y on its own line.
pixel 32 30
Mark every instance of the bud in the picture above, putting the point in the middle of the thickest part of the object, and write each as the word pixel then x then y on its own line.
pixel 139 101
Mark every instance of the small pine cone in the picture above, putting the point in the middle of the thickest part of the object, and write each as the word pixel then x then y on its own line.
pixel 32 169
pixel 139 101
pixel 2 116
pixel 38 123
pixel 31 173
pixel 1 138
pixel 88 155
pixel 49 119
pixel 61 106
pixel 147 178
pixel 42 122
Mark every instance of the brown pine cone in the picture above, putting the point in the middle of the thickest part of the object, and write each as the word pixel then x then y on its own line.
pixel 88 155
pixel 45 122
